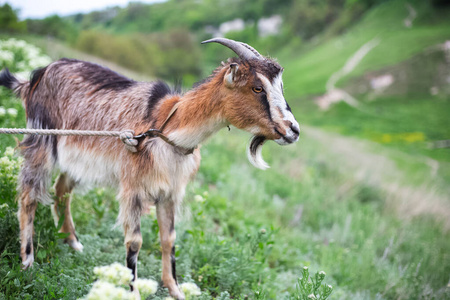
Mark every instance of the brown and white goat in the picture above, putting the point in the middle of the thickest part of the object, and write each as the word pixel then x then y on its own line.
pixel 246 92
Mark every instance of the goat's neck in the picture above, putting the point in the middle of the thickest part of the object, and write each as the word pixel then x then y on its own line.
pixel 199 114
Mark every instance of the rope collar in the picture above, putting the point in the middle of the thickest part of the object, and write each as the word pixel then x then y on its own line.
pixel 151 133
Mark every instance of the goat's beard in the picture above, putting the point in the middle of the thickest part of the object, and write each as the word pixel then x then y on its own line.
pixel 254 152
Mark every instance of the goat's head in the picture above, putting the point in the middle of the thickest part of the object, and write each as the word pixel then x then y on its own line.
pixel 255 101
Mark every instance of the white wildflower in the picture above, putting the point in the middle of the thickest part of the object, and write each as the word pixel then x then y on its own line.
pixel 199 198
pixel 32 52
pixel 30 56
pixel 322 273
pixel 114 273
pixel 190 289
pixel 2 111
pixel 102 290
pixel 146 287
pixel 169 298
pixel 12 112
pixel 6 56
pixel 37 62
pixel 4 161
pixel 4 205
pixel 263 231
pixel 9 151
pixel 23 75
pixel 100 192
pixel 21 65
pixel 311 296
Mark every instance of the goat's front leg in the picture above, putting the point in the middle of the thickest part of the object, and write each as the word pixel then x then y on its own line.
pixel 166 220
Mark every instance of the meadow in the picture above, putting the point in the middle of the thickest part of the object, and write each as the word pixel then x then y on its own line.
pixel 355 198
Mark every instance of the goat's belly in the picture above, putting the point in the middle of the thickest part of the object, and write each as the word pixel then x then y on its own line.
pixel 88 167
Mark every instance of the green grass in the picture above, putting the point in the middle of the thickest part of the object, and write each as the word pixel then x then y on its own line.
pixel 391 120
pixel 308 72
pixel 256 230
pixel 407 122
pixel 221 246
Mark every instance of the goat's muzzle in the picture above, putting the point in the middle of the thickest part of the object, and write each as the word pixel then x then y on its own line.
pixel 291 136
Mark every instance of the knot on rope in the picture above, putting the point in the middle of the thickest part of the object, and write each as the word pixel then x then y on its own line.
pixel 128 139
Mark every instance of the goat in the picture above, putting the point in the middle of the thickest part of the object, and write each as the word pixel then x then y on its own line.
pixel 246 92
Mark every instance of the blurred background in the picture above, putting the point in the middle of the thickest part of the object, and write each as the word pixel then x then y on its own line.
pixel 364 194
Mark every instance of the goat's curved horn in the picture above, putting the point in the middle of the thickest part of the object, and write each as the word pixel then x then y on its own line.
pixel 243 50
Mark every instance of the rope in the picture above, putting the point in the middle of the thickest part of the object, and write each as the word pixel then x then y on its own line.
pixel 126 136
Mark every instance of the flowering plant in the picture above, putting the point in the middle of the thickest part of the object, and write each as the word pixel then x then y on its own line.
pixel 111 280
pixel 314 288
pixel 21 57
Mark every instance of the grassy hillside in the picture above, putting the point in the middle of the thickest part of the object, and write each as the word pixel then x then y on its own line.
pixel 309 71
pixel 407 118
pixel 250 231
pixel 374 215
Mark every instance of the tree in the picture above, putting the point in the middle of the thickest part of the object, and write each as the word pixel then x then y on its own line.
pixel 9 22
pixel 53 26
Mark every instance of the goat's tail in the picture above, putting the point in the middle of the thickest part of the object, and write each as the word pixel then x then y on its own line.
pixel 11 82
pixel 8 80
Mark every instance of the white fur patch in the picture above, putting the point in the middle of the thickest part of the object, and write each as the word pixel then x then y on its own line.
pixel 192 137
pixel 76 245
pixel 276 101
pixel 87 167
pixel 54 215
pixel 29 261
pixel 171 172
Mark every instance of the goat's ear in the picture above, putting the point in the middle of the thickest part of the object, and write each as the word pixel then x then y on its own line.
pixel 231 75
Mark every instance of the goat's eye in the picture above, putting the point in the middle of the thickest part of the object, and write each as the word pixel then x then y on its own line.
pixel 257 89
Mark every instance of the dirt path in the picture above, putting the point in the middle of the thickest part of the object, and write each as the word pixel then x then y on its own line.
pixel 371 163
pixel 334 94
pixel 412 14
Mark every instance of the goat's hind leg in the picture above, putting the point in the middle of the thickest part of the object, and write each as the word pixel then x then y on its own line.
pixel 33 185
pixel 63 189
pixel 27 210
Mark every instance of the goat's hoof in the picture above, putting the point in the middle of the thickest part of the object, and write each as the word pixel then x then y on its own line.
pixel 76 245
pixel 177 294
pixel 136 294
pixel 28 262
